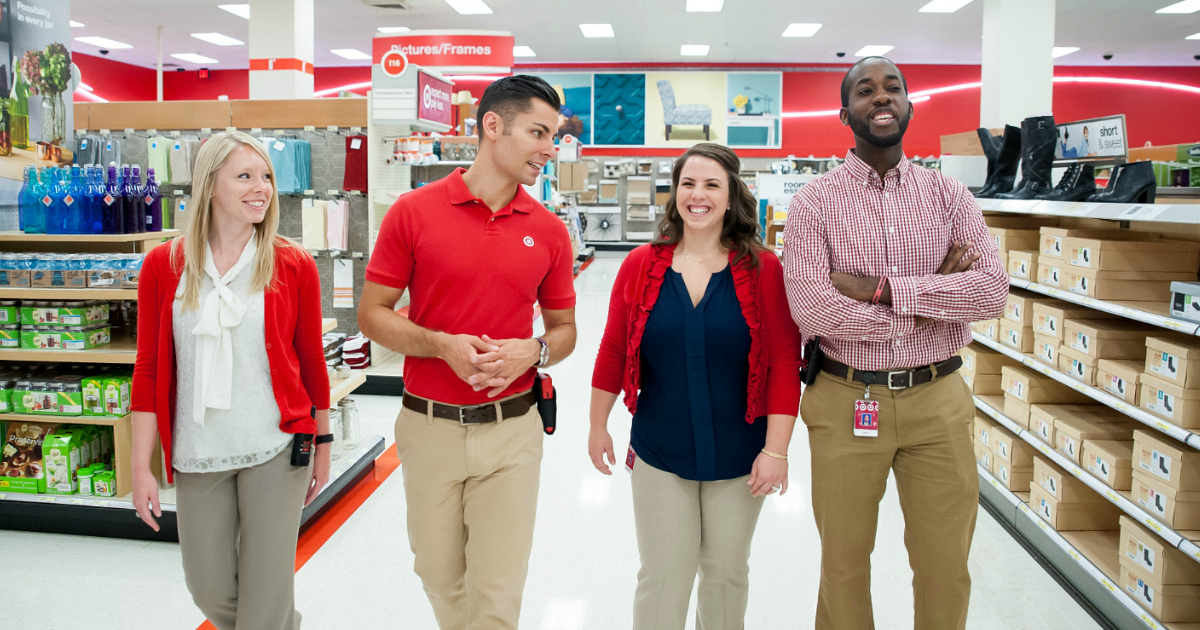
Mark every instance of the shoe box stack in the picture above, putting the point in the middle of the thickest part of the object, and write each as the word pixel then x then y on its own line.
pixel 1024 388
pixel 1170 383
pixel 1007 457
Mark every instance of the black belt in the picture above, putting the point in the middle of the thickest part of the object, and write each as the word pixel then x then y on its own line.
pixel 473 414
pixel 896 379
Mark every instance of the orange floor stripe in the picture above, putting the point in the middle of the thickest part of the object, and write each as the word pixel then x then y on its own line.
pixel 328 523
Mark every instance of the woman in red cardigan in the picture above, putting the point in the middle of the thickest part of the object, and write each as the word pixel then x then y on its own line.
pixel 230 367
pixel 700 339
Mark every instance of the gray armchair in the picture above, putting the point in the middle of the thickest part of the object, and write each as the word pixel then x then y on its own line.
pixel 682 114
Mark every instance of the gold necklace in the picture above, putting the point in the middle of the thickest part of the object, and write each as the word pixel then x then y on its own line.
pixel 704 260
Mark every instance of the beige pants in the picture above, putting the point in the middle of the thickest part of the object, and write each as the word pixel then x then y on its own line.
pixel 925 439
pixel 237 532
pixel 472 497
pixel 684 526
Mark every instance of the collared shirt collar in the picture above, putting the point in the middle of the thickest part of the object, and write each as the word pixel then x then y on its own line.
pixel 865 173
pixel 460 194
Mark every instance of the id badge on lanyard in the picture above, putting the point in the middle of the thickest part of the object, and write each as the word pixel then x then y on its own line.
pixel 866 416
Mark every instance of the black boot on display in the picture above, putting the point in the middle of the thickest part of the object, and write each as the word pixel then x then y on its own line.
pixel 1037 144
pixel 1077 184
pixel 1006 164
pixel 991 150
pixel 1129 183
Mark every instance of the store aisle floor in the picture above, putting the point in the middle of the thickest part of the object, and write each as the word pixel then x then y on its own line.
pixel 584 565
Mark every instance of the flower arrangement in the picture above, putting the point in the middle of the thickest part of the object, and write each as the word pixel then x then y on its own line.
pixel 739 102
pixel 49 71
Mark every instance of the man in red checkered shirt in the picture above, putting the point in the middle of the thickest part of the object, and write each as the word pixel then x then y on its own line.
pixel 888 263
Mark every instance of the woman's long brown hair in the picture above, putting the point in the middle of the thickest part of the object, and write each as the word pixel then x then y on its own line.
pixel 740 230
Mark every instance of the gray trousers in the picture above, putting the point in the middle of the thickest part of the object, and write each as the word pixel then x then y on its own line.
pixel 237 532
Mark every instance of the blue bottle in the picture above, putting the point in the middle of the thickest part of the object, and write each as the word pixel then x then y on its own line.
pixel 77 212
pixel 152 201
pixel 114 204
pixel 26 198
pixel 35 221
pixel 95 197
pixel 56 222
pixel 129 190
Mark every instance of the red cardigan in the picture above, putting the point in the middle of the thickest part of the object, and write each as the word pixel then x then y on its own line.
pixel 775 349
pixel 293 331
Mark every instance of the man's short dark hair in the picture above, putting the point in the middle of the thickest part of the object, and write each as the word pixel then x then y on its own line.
pixel 510 96
pixel 846 78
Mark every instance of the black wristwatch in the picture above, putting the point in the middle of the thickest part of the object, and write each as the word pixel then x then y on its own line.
pixel 324 439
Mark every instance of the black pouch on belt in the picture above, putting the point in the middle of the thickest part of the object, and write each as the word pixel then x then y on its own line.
pixel 302 445
pixel 547 401
pixel 815 357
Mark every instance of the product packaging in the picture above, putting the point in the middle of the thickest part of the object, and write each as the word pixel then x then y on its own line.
pixel 1174 359
pixel 85 480
pixel 21 469
pixel 10 336
pixel 1107 338
pixel 1152 555
pixel 1168 604
pixel 1020 306
pixel 1008 239
pixel 1185 300
pixel 104 484
pixel 982 384
pixel 983 456
pixel 116 395
pixel 1013 478
pixel 1054 239
pixel 1031 387
pixel 1011 449
pixel 1022 265
pixel 93 396
pixel 1016 336
pixel 1121 379
pixel 1061 485
pixel 1071 430
pixel 1172 463
pixel 989 328
pixel 981 359
pixel 1110 461
pixel 1132 286
pixel 62 455
pixel 1077 365
pixel 1051 273
pixel 1177 509
pixel 1045 349
pixel 1174 404
pixel 1133 254
pixel 1017 410
pixel 1065 516
pixel 984 427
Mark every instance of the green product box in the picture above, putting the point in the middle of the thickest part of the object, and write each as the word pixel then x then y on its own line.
pixel 89 445
pixel 6 389
pixel 9 315
pixel 69 338
pixel 10 336
pixel 73 314
pixel 21 468
pixel 93 396
pixel 85 481
pixel 62 455
pixel 20 399
pixel 39 316
pixel 116 395
pixel 61 399
pixel 104 484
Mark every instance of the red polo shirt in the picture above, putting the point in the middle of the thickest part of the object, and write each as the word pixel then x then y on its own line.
pixel 471 271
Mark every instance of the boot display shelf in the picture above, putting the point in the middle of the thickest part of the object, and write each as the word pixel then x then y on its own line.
pixel 1156 212
pixel 1129 312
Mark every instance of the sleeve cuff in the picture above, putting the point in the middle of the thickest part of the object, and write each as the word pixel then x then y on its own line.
pixel 557 305
pixel 904 296
pixel 386 281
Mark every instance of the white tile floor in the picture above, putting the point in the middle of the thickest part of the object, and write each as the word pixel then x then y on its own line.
pixel 584 565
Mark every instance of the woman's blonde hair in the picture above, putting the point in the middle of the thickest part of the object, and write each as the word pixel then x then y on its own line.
pixel 209 162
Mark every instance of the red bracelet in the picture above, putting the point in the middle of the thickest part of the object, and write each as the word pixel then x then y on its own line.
pixel 879 290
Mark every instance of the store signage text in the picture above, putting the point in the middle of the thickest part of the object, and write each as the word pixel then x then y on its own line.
pixel 394 63
pixel 1091 139
pixel 435 99
pixel 448 50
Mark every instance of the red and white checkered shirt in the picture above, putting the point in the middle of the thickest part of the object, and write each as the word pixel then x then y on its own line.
pixel 850 221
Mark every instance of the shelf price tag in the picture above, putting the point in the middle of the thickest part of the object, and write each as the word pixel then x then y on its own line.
pixel 1075 554
pixel 46 499
pixel 333 192
pixel 231 129
pixel 1113 496
pixel 206 130
pixel 279 132
pixel 74 501
pixel 331 128
pixel 1153 524
pixel 310 193
pixel 356 130
pixel 1112 588
pixel 3 496
pixel 1164 427
pixel 175 133
pixel 105 132
pixel 152 131
pixel 310 128
pixel 254 130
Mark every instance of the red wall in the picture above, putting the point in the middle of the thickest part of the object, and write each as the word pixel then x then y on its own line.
pixel 1153 115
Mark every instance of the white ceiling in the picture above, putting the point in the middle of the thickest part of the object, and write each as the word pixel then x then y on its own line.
pixel 653 30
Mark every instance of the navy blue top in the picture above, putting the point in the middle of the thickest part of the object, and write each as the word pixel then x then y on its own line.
pixel 691 413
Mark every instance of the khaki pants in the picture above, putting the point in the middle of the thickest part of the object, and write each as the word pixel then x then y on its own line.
pixel 925 439
pixel 684 526
pixel 472 497
pixel 237 533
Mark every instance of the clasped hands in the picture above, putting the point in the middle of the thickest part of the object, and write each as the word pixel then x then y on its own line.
pixel 959 258
pixel 483 362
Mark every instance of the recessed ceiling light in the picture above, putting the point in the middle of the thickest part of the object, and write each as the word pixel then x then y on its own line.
pixel 75 24
pixel 240 10
pixel 693 50
pixel 1196 36
pixel 704 6
pixel 1059 51
pixel 387 30
pixel 218 39
pixel 350 53
pixel 596 30
pixel 194 58
pixel 523 51
pixel 873 51
pixel 104 42
pixel 1187 6
pixel 469 7
pixel 944 6
pixel 796 29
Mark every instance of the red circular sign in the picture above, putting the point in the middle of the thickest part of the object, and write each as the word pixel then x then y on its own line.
pixel 394 63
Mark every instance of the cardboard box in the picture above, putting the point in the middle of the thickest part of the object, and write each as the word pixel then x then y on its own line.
pixel 1032 387
pixel 1110 461
pixel 1065 517
pixel 639 191
pixel 1168 604
pixel 44 279
pixel 1061 485
pixel 21 465
pixel 1029 222
pixel 1049 319
pixel 1016 336
pixel 1077 365
pixel 1177 509
pixel 14 278
pixel 1020 306
pixel 1175 359
pixel 1150 554
pixel 1045 349
pixel 1017 411
pixel 981 359
pixel 982 384
pixel 1051 273
pixel 1133 254
pixel 62 456
pixel 1014 478
pixel 1107 338
pixel 1174 404
pixel 1185 300
pixel 572 176
pixel 1042 417
pixel 1011 449
pixel 1023 265
pixel 1053 243
pixel 984 428
pixel 989 328
pixel 1131 286
pixel 1172 463
pixel 1120 378
pixel 983 456
pixel 1071 430
pixel 1014 239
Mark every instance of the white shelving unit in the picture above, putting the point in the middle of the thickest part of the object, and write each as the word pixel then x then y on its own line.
pixel 1146 317
pixel 1154 212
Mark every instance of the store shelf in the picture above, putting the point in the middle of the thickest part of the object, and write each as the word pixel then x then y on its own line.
pixel 9 293
pixel 1179 433
pixel 328 324
pixel 341 389
pixel 1119 499
pixel 122 350
pixel 1152 212
pixel 21 237
pixel 1083 574
pixel 105 421
pixel 1146 317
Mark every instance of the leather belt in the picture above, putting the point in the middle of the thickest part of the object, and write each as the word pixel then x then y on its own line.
pixel 466 415
pixel 896 379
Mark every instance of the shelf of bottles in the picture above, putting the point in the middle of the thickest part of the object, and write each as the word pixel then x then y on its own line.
pixel 90 200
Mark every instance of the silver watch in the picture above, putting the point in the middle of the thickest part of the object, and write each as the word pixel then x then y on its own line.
pixel 544 357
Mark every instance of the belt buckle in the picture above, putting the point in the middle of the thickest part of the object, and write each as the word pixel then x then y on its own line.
pixel 891 380
pixel 478 411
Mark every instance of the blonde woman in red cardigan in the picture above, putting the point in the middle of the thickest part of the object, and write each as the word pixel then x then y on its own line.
pixel 700 339
pixel 229 368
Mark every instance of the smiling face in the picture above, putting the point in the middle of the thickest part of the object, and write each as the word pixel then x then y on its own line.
pixel 702 195
pixel 525 142
pixel 878 110
pixel 243 187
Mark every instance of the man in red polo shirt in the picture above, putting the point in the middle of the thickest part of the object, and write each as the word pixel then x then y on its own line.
pixel 475 252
